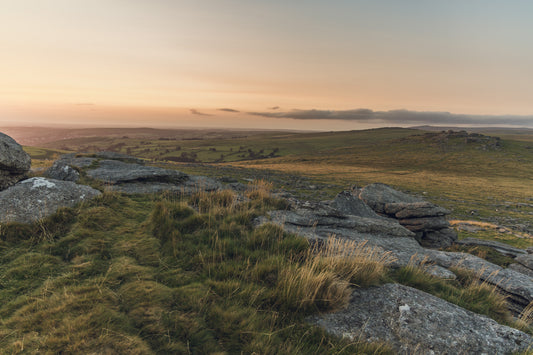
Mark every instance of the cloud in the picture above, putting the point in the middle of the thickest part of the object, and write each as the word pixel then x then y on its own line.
pixel 399 117
pixel 228 110
pixel 196 112
pixel 274 108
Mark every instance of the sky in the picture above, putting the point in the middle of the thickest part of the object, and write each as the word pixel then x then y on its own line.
pixel 299 64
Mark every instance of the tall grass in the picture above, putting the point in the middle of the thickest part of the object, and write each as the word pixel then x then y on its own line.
pixel 162 274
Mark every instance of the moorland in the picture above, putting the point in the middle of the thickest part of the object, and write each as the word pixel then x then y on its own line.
pixel 485 181
pixel 143 274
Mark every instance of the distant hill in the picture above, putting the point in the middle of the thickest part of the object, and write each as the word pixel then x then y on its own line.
pixel 37 136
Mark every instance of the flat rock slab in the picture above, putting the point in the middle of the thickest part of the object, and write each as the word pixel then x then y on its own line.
pixel 191 185
pixel 415 322
pixel 36 198
pixel 499 247
pixel 415 210
pixel 117 172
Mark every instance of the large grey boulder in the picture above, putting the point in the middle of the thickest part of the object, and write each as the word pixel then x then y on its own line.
pixel 36 198
pixel 14 162
pixel 319 221
pixel 414 322
pixel 427 220
pixel 116 172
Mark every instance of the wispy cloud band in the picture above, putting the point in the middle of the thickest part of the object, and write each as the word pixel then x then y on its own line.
pixel 399 117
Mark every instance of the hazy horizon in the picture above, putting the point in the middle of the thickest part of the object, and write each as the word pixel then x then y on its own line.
pixel 304 65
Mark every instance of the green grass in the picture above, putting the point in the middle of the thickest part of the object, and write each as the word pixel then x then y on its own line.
pixel 463 177
pixel 163 274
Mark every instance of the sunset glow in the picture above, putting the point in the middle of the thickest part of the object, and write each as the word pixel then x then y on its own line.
pixel 177 63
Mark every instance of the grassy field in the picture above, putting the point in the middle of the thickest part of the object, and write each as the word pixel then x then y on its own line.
pixel 190 275
pixel 477 181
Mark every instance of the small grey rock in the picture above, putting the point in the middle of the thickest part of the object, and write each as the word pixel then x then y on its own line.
pixel 60 170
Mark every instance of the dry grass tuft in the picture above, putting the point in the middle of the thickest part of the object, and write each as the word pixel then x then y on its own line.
pixel 323 279
pixel 361 264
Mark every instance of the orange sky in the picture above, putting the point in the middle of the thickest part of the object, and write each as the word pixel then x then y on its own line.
pixel 148 63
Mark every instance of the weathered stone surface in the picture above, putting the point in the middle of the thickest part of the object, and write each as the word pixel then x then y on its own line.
pixel 376 196
pixel 60 170
pixel 117 172
pixel 348 204
pixel 503 248
pixel 415 210
pixel 525 260
pixel 442 238
pixel 362 225
pixel 118 156
pixel 423 224
pixel 521 269
pixel 421 217
pixel 415 322
pixel 191 185
pixel 320 221
pixel 36 198
pixel 440 272
pixel 78 162
pixel 14 162
pixel 517 286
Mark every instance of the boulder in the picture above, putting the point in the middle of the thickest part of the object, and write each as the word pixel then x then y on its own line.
pixel 427 220
pixel 14 162
pixel 376 196
pixel 319 221
pixel 36 198
pixel 349 204
pixel 115 172
pixel 60 170
pixel 414 322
